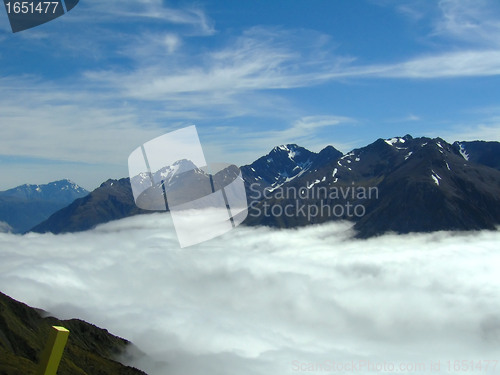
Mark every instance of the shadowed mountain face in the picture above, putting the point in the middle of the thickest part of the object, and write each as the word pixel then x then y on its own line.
pixel 23 334
pixel 422 185
pixel 27 205
pixel 434 189
pixel 486 153
pixel 400 184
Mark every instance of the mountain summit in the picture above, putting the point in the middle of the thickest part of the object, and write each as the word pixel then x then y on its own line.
pixel 285 163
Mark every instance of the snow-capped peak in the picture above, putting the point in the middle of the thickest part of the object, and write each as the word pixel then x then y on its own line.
pixel 290 149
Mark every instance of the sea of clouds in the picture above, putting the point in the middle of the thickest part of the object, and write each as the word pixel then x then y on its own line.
pixel 261 301
pixel 5 227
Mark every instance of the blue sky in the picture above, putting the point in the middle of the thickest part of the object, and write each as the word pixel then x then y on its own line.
pixel 78 94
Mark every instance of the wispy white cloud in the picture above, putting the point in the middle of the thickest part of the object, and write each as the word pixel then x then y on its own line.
pixel 468 31
pixel 412 117
pixel 256 300
pixel 260 59
pixel 117 11
pixel 270 59
pixel 410 10
pixel 471 21
pixel 307 123
pixel 471 63
pixel 172 42
pixel 463 38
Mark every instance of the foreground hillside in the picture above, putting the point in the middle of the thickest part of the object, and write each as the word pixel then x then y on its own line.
pixel 23 332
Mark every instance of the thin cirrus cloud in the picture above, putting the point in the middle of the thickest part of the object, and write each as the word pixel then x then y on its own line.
pixel 256 300
pixel 469 21
pixel 256 62
pixel 259 59
pixel 155 10
pixel 466 34
pixel 268 58
pixel 474 63
pixel 307 123
pixel 267 69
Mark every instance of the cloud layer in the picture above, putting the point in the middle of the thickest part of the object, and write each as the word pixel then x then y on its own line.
pixel 260 301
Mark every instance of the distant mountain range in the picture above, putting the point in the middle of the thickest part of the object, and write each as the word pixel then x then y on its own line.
pixel 90 350
pixel 23 207
pixel 421 185
pixel 112 200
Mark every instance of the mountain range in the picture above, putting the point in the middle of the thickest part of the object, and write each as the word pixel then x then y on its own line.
pixel 23 207
pixel 422 185
pixel 415 185
pixel 112 200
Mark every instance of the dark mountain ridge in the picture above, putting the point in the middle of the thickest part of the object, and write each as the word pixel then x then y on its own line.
pixel 422 185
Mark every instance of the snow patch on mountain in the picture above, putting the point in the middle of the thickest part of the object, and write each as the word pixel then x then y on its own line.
pixel 394 141
pixel 435 177
pixel 463 152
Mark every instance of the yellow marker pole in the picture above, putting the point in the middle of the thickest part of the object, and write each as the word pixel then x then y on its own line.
pixel 51 356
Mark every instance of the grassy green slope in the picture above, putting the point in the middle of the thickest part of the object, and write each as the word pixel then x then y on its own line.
pixel 23 333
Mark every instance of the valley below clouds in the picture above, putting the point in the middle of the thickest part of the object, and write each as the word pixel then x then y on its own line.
pixel 265 301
